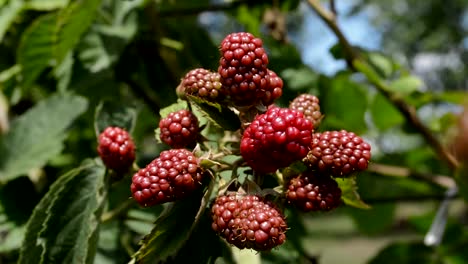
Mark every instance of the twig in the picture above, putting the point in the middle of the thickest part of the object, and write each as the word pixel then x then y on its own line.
pixel 117 212
pixel 395 171
pixel 333 7
pixel 354 62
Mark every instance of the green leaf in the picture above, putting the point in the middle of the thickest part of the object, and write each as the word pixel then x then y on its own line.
pixel 218 114
pixel 374 221
pixel 346 102
pixel 179 105
pixel 381 64
pixel 8 14
pixel 384 114
pixel 405 253
pixel 49 38
pixel 171 231
pixel 300 79
pixel 406 85
pixel 41 5
pixel 109 113
pixel 38 135
pixel 63 227
pixel 12 236
pixel 349 192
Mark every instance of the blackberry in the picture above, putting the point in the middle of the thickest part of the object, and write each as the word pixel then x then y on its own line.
pixel 338 152
pixel 274 91
pixel 172 176
pixel 203 84
pixel 247 221
pixel 308 105
pixel 243 69
pixel 116 149
pixel 179 129
pixel 313 192
pixel 276 139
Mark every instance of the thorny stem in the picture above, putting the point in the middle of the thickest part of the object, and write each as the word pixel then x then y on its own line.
pixel 356 62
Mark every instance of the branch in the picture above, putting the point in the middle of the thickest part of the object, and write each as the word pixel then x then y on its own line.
pixel 395 171
pixel 354 62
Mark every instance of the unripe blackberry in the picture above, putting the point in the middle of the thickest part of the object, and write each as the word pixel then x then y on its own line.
pixel 173 175
pixel 313 192
pixel 179 129
pixel 276 139
pixel 116 149
pixel 203 84
pixel 243 69
pixel 275 89
pixel 339 153
pixel 247 221
pixel 308 105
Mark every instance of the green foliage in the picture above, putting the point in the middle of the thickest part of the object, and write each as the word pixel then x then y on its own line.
pixel 68 69
pixel 113 114
pixel 63 227
pixel 38 135
pixel 49 39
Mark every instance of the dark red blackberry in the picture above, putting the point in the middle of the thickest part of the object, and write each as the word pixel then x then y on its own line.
pixel 274 91
pixel 313 192
pixel 276 139
pixel 308 105
pixel 243 69
pixel 339 153
pixel 247 221
pixel 172 176
pixel 116 149
pixel 203 83
pixel 179 129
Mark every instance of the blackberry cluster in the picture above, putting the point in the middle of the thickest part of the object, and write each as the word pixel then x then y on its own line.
pixel 179 129
pixel 311 191
pixel 339 153
pixel 276 139
pixel 244 74
pixel 203 84
pixel 116 149
pixel 173 175
pixel 308 105
pixel 247 221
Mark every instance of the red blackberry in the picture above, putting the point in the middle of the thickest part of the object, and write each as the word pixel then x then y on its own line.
pixel 179 129
pixel 203 83
pixel 247 221
pixel 116 149
pixel 339 153
pixel 313 192
pixel 276 139
pixel 243 68
pixel 308 105
pixel 274 91
pixel 172 176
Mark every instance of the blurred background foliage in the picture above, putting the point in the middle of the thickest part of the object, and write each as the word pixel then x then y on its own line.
pixel 59 59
